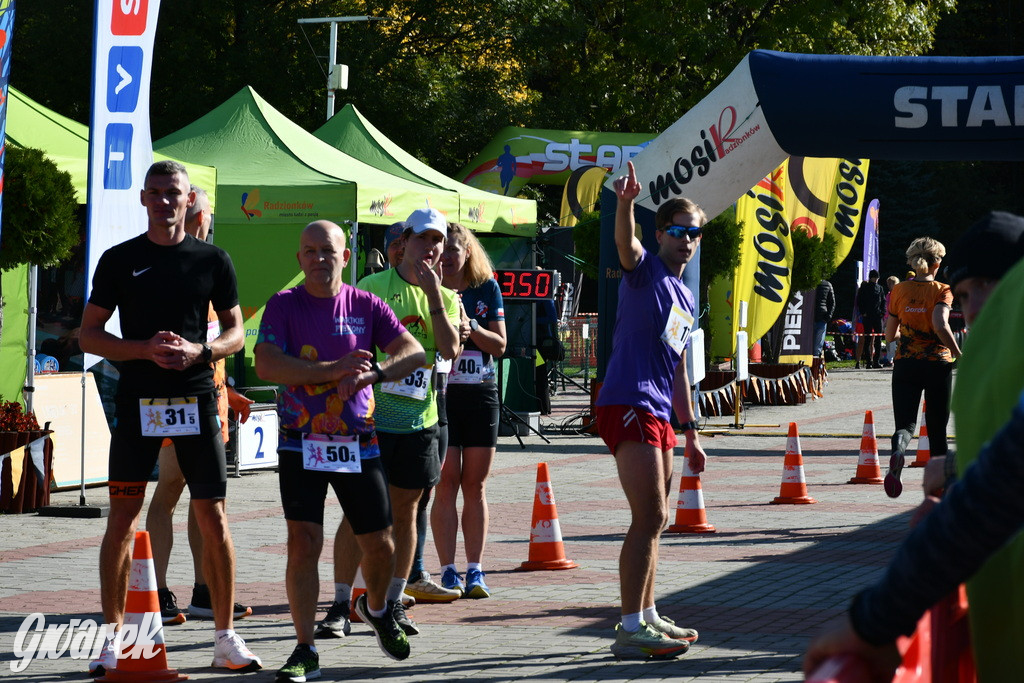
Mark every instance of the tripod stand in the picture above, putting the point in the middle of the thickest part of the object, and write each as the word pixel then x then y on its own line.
pixel 508 416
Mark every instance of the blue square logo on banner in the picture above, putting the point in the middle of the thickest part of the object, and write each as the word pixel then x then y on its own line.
pixel 117 157
pixel 124 77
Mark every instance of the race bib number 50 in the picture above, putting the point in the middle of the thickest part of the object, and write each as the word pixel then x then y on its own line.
pixel 324 453
pixel 169 416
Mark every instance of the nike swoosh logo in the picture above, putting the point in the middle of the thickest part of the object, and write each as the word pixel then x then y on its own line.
pixel 136 273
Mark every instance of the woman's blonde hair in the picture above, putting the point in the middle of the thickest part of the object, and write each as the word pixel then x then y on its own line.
pixel 923 253
pixel 478 268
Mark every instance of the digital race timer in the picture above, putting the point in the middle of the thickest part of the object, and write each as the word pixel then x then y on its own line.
pixel 528 285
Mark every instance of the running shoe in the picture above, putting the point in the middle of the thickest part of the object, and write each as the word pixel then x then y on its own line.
pixel 475 586
pixel 303 665
pixel 231 653
pixel 336 624
pixel 452 580
pixel 202 608
pixel 892 484
pixel 669 628
pixel 106 662
pixel 646 643
pixel 426 591
pixel 391 639
pixel 169 610
pixel 402 619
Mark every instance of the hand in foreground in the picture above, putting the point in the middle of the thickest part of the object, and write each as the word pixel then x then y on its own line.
pixel 695 455
pixel 354 363
pixel 935 475
pixel 427 278
pixel 627 188
pixel 170 351
pixel 239 403
pixel 839 638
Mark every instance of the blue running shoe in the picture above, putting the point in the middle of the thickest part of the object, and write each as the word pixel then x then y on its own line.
pixel 475 586
pixel 453 581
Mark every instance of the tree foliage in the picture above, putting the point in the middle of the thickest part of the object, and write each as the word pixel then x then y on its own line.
pixel 813 260
pixel 39 222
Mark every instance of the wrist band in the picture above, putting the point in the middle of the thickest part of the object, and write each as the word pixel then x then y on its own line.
pixel 380 372
pixel 687 426
pixel 437 311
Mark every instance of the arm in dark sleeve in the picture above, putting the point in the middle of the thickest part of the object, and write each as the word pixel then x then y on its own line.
pixel 976 518
pixel 830 301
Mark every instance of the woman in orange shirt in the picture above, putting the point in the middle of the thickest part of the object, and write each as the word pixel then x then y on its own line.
pixel 919 313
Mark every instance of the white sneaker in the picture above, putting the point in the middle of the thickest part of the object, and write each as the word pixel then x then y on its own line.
pixel 106 662
pixel 426 591
pixel 232 653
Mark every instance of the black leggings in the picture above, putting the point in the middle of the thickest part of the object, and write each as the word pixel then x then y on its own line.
pixel 911 377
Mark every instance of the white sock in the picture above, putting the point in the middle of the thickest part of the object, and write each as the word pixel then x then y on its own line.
pixel 395 590
pixel 650 614
pixel 224 633
pixel 631 622
pixel 470 566
pixel 342 592
pixel 449 566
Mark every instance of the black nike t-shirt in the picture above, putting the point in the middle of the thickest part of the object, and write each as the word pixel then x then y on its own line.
pixel 164 288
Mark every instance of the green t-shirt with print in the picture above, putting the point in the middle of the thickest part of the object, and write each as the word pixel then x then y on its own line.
pixel 408 405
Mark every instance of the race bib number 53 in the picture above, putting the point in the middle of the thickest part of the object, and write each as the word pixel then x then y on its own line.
pixel 415 385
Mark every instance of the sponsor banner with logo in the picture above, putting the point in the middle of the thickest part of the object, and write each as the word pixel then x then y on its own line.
pixel 817 196
pixel 517 156
pixel 870 240
pixel 892 107
pixel 120 145
pixel 6 30
pixel 714 153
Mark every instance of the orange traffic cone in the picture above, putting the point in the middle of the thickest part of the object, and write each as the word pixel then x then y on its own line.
pixel 867 466
pixel 546 549
pixel 358 588
pixel 690 515
pixel 794 487
pixel 145 659
pixel 924 447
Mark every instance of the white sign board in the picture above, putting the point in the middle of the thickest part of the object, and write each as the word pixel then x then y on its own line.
pixel 256 445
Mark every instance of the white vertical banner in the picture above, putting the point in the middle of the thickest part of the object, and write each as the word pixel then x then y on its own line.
pixel 120 143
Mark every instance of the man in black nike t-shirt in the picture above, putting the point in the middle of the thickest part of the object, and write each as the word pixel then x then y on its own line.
pixel 162 284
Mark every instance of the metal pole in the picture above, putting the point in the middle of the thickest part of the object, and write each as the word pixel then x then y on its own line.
pixel 29 390
pixel 331 57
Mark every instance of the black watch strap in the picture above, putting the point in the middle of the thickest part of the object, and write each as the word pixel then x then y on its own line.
pixel 207 353
pixel 692 424
pixel 380 372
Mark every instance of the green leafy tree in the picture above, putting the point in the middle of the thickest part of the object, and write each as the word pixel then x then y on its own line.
pixel 39 223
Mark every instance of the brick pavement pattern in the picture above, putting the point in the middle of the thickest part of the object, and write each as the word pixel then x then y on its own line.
pixel 756 590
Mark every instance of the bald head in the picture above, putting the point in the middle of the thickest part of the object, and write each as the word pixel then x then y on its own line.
pixel 198 216
pixel 323 257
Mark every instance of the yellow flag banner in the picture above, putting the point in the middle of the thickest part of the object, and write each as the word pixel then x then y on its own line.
pixel 817 195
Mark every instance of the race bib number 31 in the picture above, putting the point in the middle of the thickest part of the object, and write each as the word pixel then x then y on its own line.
pixel 324 453
pixel 169 416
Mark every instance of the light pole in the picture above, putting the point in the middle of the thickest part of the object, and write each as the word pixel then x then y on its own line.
pixel 337 78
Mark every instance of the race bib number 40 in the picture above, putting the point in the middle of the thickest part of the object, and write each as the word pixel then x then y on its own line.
pixel 169 416
pixel 415 385
pixel 326 453
pixel 468 368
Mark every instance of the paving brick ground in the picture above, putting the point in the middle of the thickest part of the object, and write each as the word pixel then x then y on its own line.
pixel 756 589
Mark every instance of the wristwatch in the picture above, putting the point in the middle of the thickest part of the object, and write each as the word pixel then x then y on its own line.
pixel 207 353
pixel 692 424
pixel 473 325
pixel 380 372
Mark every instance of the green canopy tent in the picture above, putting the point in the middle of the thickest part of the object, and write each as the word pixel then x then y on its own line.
pixel 280 177
pixel 479 210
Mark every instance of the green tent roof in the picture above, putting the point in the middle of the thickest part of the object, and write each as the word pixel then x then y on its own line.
pixel 66 142
pixel 279 173
pixel 482 211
